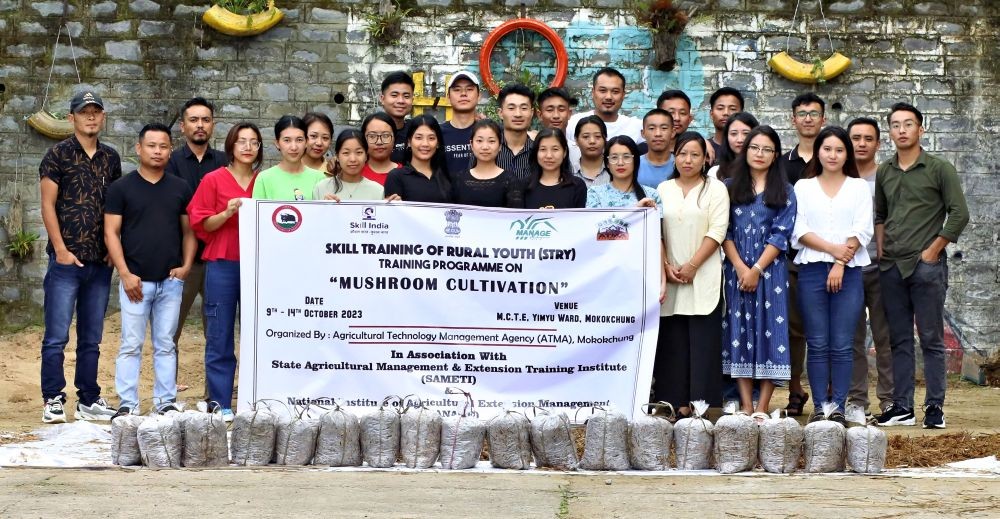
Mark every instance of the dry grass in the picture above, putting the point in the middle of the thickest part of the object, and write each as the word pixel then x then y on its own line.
pixel 932 451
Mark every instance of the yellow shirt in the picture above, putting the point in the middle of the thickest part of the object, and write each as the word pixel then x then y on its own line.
pixel 687 221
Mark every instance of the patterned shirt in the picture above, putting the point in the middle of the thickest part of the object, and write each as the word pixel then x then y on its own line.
pixel 83 182
pixel 607 195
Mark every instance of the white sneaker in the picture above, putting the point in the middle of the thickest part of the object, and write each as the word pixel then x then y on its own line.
pixel 53 411
pixel 99 410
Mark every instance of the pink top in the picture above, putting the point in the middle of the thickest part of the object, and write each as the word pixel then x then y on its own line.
pixel 214 192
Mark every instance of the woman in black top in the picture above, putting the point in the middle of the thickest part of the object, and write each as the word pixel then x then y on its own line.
pixel 424 177
pixel 552 184
pixel 486 184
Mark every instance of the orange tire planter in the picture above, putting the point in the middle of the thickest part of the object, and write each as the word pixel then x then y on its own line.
pixel 562 59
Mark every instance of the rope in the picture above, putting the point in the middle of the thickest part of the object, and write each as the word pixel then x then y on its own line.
pixel 795 14
pixel 45 99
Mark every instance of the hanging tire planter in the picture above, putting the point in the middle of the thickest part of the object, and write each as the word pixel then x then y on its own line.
pixel 46 124
pixel 233 24
pixel 809 73
pixel 528 24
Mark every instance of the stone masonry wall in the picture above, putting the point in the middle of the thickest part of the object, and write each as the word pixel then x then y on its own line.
pixel 147 57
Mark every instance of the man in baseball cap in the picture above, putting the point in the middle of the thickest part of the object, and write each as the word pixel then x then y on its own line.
pixel 463 95
pixel 85 98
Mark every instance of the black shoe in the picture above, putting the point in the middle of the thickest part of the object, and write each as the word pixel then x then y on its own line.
pixel 933 417
pixel 122 411
pixel 896 415
pixel 167 408
pixel 817 417
pixel 838 417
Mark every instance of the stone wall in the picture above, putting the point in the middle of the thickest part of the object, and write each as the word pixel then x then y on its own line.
pixel 146 58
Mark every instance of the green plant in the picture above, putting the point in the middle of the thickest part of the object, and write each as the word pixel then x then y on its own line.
pixel 819 71
pixel 385 25
pixel 247 7
pixel 660 16
pixel 20 244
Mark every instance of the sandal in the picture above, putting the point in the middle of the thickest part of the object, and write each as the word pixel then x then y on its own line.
pixel 796 403
pixel 759 417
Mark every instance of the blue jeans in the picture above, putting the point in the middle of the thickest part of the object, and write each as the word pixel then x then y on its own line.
pixel 160 305
pixel 829 320
pixel 83 289
pixel 222 295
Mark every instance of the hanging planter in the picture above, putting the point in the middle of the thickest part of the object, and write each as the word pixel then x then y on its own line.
pixel 809 73
pixel 243 17
pixel 50 126
pixel 666 22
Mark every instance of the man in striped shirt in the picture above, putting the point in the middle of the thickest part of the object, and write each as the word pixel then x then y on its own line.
pixel 517 109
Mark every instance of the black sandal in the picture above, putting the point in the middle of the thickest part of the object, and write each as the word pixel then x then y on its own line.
pixel 796 403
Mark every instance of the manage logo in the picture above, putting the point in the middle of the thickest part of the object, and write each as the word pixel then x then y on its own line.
pixel 532 228
pixel 286 218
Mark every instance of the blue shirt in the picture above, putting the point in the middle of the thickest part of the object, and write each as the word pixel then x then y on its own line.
pixel 650 175
pixel 607 195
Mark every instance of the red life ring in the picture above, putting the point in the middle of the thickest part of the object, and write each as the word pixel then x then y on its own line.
pixel 562 59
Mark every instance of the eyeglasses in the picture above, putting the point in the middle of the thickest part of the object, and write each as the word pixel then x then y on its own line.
pixel 908 125
pixel 753 148
pixel 378 138
pixel 620 158
pixel 248 145
pixel 815 114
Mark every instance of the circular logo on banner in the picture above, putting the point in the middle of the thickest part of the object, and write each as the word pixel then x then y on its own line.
pixel 286 218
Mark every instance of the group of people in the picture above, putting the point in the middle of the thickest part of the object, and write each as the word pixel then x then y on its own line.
pixel 768 258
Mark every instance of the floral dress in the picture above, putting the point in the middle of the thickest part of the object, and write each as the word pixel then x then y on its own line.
pixel 755 328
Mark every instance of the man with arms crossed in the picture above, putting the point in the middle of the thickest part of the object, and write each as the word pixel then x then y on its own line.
pixel 191 162
pixel 919 209
pixel 865 135
pixel 75 175
pixel 152 246
pixel 463 95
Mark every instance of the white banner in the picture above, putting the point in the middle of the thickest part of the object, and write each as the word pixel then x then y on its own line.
pixel 519 308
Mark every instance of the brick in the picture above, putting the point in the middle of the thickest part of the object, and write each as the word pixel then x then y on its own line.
pixel 103 9
pixel 52 8
pixel 32 28
pixel 149 28
pixel 273 92
pixel 186 11
pixel 320 15
pixel 853 6
pixel 115 28
pixel 123 50
pixel 146 7
pixel 931 8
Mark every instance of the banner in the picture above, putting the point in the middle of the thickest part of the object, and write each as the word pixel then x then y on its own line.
pixel 519 308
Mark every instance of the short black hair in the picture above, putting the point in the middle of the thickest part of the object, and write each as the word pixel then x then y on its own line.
pixel 657 111
pixel 515 88
pixel 198 101
pixel 673 94
pixel 865 120
pixel 397 77
pixel 153 127
pixel 286 122
pixel 808 98
pixel 725 91
pixel 906 107
pixel 551 92
pixel 607 71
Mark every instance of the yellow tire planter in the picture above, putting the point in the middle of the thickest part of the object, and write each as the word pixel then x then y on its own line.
pixel 228 22
pixel 44 123
pixel 809 73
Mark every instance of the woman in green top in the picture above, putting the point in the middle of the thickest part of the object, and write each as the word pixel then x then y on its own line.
pixel 346 182
pixel 290 179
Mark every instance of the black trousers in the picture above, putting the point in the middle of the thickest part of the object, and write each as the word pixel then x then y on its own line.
pixel 688 362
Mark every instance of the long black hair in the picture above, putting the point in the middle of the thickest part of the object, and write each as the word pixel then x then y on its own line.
pixel 815 169
pixel 439 164
pixel 342 138
pixel 625 140
pixel 726 153
pixel 565 169
pixel 679 144
pixel 741 189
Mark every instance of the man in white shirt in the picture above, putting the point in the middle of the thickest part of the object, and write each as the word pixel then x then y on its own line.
pixel 607 94
pixel 865 135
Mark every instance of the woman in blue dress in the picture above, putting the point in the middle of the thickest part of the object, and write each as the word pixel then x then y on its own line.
pixel 761 219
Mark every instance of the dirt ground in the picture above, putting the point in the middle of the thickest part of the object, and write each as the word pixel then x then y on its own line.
pixel 969 408
pixel 274 491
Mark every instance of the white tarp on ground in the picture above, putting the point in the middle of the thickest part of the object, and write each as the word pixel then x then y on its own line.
pixel 84 444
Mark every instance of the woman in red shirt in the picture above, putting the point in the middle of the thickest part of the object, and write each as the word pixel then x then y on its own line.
pixel 214 216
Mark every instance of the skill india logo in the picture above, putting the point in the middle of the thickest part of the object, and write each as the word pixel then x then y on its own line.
pixel 532 228
pixel 286 218
pixel 613 228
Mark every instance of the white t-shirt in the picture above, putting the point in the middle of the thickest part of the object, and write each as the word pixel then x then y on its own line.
pixel 624 125
pixel 836 219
